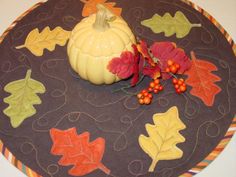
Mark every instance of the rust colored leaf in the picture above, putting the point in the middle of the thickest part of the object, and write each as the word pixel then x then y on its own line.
pixel 90 7
pixel 78 151
pixel 202 80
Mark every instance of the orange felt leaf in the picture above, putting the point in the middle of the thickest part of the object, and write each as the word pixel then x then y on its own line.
pixel 90 7
pixel 78 151
pixel 202 80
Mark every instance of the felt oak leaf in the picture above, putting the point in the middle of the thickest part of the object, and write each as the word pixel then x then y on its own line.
pixel 163 137
pixel 77 150
pixel 202 80
pixel 23 97
pixel 165 51
pixel 178 24
pixel 36 42
pixel 90 7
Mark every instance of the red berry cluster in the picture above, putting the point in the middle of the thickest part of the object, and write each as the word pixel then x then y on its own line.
pixel 179 85
pixel 172 67
pixel 155 86
pixel 145 96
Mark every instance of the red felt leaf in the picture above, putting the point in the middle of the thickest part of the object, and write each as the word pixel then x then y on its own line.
pixel 127 65
pixel 153 72
pixel 78 151
pixel 143 50
pixel 165 51
pixel 138 67
pixel 202 80
pixel 123 66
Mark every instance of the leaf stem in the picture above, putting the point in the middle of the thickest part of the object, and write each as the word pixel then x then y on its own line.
pixel 196 25
pixel 28 74
pixel 20 47
pixel 153 165
pixel 84 1
pixel 193 56
pixel 104 168
pixel 170 73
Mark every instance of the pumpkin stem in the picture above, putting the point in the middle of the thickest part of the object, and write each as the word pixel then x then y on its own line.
pixel 103 16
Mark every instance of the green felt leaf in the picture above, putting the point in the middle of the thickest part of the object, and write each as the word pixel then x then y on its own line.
pixel 23 97
pixel 178 24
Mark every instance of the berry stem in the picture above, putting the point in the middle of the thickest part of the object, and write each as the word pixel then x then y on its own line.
pixel 123 89
pixel 170 73
pixel 155 59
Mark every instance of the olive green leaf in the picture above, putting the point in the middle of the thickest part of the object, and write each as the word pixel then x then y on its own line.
pixel 23 97
pixel 36 42
pixel 163 137
pixel 178 24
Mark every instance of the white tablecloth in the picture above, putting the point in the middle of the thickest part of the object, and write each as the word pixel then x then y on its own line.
pixel 223 10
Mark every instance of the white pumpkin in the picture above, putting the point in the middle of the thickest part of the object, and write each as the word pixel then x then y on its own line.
pixel 95 41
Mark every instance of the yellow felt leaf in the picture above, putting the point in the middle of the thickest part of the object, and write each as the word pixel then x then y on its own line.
pixel 23 97
pixel 179 24
pixel 163 137
pixel 36 42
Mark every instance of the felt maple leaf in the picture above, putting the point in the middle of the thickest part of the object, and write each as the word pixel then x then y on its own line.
pixel 127 65
pixel 165 51
pixel 144 51
pixel 123 66
pixel 153 72
pixel 202 80
pixel 78 151
pixel 90 7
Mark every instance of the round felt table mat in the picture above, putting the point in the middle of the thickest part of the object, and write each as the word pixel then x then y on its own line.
pixel 223 11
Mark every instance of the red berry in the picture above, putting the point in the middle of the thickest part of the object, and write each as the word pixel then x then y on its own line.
pixel 150 96
pixel 180 82
pixel 177 66
pixel 156 87
pixel 161 88
pixel 139 95
pixel 152 84
pixel 175 81
pixel 176 86
pixel 141 101
pixel 155 91
pixel 178 91
pixel 150 89
pixel 182 88
pixel 170 62
pixel 173 69
pixel 181 79
pixel 144 91
pixel 145 94
pixel 147 100
pixel 167 70
pixel 157 81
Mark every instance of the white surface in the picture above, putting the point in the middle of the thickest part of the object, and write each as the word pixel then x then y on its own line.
pixel 223 11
